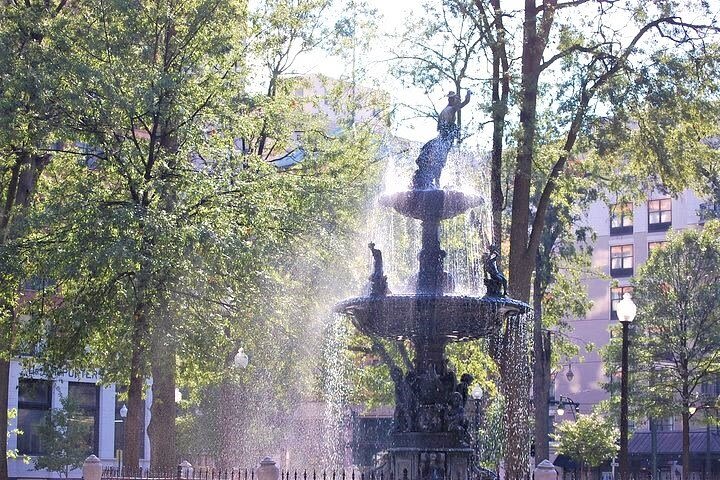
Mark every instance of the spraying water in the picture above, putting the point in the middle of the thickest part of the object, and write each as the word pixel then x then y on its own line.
pixel 430 439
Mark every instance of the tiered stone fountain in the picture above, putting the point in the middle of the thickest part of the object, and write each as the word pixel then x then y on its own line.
pixel 430 434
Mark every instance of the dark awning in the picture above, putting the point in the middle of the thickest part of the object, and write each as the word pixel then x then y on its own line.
pixel 670 443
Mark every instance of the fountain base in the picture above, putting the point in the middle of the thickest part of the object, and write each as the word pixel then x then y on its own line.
pixel 428 463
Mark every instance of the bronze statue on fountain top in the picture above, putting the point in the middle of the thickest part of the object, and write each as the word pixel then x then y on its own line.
pixel 433 154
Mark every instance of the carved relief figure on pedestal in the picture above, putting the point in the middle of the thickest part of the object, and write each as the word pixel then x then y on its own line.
pixel 405 403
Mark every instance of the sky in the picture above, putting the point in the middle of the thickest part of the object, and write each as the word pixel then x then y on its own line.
pixel 393 13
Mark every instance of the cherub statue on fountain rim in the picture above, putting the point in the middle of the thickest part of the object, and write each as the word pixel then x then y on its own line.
pixel 433 155
pixel 378 280
pixel 495 281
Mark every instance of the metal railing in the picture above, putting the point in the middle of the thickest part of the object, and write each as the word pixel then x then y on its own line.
pixel 207 473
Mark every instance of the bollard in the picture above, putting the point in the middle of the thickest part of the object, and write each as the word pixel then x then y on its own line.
pixel 185 470
pixel 268 470
pixel 92 468
pixel 545 471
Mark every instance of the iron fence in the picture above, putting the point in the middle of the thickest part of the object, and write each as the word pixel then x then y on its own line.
pixel 207 473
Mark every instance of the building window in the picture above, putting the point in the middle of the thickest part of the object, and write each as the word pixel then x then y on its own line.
pixel 621 219
pixel 652 246
pixel 86 398
pixel 664 424
pixel 34 400
pixel 711 388
pixel 659 215
pixel 621 260
pixel 616 294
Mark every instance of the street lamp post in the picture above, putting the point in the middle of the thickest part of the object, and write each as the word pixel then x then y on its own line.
pixel 123 415
pixel 477 394
pixel 562 405
pixel 626 311
pixel 708 464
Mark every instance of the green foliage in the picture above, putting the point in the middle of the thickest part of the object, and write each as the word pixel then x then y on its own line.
pixel 440 49
pixel 675 334
pixel 673 125
pixel 65 439
pixel 590 440
pixel 155 227
pixel 12 454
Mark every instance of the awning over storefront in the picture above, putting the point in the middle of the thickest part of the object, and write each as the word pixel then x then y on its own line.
pixel 670 443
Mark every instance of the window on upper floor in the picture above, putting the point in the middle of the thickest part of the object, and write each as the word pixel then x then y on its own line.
pixel 616 294
pixel 711 388
pixel 659 214
pixel 621 219
pixel 652 246
pixel 621 260
pixel 34 400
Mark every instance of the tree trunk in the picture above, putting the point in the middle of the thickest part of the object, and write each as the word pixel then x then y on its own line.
pixel 521 258
pixel 500 95
pixel 4 381
pixel 458 115
pixel 686 444
pixel 227 423
pixel 7 339
pixel 19 194
pixel 162 429
pixel 134 425
pixel 522 255
pixel 516 378
pixel 541 378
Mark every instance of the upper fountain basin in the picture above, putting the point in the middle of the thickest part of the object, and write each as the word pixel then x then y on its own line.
pixel 431 204
pixel 454 317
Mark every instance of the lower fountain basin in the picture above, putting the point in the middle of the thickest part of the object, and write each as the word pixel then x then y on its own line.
pixel 454 317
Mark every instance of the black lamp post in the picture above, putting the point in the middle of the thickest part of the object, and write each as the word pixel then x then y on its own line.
pixel 476 395
pixel 708 463
pixel 123 415
pixel 563 403
pixel 626 311
pixel 713 405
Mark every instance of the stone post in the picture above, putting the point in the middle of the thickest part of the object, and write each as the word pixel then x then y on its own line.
pixel 185 470
pixel 545 471
pixel 268 470
pixel 92 468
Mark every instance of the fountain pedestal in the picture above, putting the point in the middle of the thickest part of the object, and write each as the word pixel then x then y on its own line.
pixel 413 463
